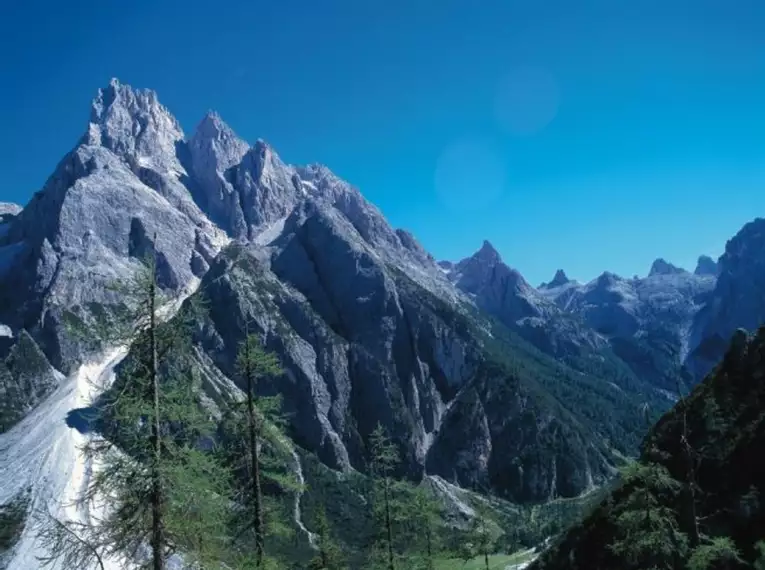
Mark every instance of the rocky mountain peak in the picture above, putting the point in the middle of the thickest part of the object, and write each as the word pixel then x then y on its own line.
pixel 607 279
pixel 134 125
pixel 663 267
pixel 487 254
pixel 706 266
pixel 215 147
pixel 212 126
pixel 559 279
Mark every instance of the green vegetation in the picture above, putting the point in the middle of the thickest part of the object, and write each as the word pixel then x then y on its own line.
pixel 496 562
pixel 13 516
pixel 692 502
pixel 26 378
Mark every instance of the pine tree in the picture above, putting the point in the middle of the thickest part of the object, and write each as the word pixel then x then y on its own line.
pixel 648 534
pixel 690 515
pixel 253 363
pixel 259 452
pixel 718 553
pixel 152 481
pixel 384 460
pixel 329 555
pixel 424 516
pixel 483 539
pixel 759 563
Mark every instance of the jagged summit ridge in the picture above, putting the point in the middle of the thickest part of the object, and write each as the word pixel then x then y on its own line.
pixel 133 174
pixel 662 267
pixel 134 125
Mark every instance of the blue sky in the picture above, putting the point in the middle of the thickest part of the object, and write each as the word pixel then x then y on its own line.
pixel 586 135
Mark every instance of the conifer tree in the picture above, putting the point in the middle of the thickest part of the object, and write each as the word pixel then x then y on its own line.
pixel 648 535
pixel 254 363
pixel 328 555
pixel 423 526
pixel 258 452
pixel 383 461
pixel 152 483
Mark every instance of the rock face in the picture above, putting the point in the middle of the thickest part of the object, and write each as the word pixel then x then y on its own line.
pixel 639 325
pixel 499 289
pixel 26 378
pixel 364 344
pixel 737 300
pixel 7 213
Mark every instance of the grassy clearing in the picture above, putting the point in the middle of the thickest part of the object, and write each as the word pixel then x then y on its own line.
pixel 496 562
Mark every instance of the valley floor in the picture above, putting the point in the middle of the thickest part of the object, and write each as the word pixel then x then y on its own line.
pixel 516 561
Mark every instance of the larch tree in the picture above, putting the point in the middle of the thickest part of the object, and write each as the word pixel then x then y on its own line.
pixel 155 489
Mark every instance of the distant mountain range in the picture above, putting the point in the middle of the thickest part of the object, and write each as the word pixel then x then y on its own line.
pixel 483 379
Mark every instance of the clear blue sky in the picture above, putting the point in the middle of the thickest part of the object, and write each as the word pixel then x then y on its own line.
pixel 586 135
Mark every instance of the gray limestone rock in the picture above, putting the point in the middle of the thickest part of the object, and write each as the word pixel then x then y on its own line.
pixel 736 302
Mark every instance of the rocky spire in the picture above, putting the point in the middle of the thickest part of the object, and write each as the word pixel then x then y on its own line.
pixel 214 147
pixel 135 126
pixel 560 279
pixel 663 267
pixel 706 266
pixel 487 254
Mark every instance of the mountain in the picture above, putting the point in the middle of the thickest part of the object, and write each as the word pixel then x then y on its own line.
pixel 722 423
pixel 95 218
pixel 639 327
pixel 647 321
pixel 736 301
pixel 502 292
pixel 484 381
pixel 369 327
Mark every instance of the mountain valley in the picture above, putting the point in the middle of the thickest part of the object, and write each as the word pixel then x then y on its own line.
pixel 487 385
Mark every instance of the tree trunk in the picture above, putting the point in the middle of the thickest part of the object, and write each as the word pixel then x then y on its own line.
pixel 429 546
pixel 257 503
pixel 324 557
pixel 690 483
pixel 157 528
pixel 388 526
